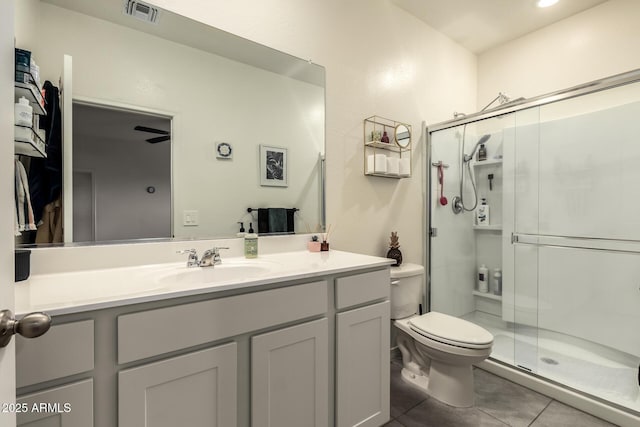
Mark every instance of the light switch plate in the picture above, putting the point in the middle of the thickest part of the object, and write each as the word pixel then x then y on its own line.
pixel 190 218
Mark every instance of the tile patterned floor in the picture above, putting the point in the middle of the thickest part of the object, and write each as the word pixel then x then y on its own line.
pixel 499 403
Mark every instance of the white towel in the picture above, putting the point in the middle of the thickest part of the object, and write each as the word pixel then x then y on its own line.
pixel 22 188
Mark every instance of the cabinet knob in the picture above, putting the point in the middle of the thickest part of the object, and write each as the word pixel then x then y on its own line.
pixel 30 326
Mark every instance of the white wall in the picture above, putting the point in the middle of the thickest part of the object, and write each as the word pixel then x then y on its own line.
pixel 596 43
pixel 379 61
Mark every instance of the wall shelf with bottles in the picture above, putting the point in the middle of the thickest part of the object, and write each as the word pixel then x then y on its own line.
pixel 387 148
pixel 28 142
pixel 33 94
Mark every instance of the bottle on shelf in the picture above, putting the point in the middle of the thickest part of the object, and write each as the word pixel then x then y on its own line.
pixel 482 153
pixel 482 213
pixel 497 281
pixel 483 279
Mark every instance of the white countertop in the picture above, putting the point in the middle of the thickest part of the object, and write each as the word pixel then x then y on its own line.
pixel 77 291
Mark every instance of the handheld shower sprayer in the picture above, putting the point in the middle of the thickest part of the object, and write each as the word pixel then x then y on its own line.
pixel 482 140
pixel 458 205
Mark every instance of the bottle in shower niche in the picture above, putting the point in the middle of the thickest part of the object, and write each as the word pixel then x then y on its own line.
pixel 482 153
pixel 497 281
pixel 483 279
pixel 482 213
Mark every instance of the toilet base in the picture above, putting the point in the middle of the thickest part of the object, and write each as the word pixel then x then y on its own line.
pixel 448 384
pixel 421 382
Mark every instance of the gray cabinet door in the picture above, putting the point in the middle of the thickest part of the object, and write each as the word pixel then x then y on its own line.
pixel 289 377
pixel 198 389
pixel 67 406
pixel 362 366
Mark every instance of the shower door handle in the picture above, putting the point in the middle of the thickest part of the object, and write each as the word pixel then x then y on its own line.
pixel 30 326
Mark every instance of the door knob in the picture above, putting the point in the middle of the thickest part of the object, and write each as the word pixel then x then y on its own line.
pixel 30 326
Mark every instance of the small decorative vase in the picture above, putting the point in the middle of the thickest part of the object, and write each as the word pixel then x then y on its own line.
pixel 385 137
pixel 394 252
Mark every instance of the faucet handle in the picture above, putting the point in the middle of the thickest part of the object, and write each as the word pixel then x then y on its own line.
pixel 216 254
pixel 187 251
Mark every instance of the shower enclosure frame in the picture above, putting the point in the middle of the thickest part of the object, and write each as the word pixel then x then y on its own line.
pixel 565 394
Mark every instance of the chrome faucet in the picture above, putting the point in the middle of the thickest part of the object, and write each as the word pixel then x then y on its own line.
pixel 210 257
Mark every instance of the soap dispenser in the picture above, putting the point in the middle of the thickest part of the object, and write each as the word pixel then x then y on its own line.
pixel 251 244
pixel 241 233
pixel 482 153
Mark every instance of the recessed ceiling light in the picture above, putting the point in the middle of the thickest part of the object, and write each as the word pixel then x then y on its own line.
pixel 546 3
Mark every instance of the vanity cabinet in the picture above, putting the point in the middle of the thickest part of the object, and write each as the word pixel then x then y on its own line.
pixel 290 376
pixel 362 350
pixel 292 353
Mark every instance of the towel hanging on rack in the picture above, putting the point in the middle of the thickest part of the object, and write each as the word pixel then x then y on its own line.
pixel 276 220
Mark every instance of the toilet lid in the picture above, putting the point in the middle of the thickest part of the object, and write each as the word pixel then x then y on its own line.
pixel 451 330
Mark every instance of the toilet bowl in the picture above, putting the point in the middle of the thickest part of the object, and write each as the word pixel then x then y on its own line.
pixel 438 350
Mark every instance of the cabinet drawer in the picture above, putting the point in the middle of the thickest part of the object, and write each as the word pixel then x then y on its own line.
pixel 64 350
pixel 362 288
pixel 70 405
pixel 174 328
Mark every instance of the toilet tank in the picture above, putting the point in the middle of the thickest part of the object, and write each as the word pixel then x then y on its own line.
pixel 406 290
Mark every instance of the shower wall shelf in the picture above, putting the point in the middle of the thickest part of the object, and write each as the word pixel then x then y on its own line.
pixel 487 295
pixel 497 227
pixel 487 162
pixel 385 159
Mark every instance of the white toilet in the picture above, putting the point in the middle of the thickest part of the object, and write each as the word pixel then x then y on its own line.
pixel 437 349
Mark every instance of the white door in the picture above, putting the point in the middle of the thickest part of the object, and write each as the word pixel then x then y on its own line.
pixel 7 354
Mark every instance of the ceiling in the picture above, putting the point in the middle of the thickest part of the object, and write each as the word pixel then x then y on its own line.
pixel 479 25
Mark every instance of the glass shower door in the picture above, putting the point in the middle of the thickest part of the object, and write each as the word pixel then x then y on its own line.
pixel 576 243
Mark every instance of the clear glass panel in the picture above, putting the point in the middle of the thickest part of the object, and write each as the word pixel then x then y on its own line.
pixel 462 246
pixel 589 244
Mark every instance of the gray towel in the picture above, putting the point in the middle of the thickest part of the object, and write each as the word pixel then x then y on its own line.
pixel 277 220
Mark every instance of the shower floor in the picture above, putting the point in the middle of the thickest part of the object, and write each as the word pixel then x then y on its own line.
pixel 591 368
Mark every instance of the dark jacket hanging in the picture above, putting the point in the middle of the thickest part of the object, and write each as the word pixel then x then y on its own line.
pixel 45 175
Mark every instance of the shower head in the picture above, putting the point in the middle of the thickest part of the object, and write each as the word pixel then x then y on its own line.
pixel 482 140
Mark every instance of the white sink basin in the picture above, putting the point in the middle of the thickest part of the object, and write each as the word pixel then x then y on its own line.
pixel 235 271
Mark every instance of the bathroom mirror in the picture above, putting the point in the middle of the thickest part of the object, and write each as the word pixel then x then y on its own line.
pixel 213 88
pixel 402 136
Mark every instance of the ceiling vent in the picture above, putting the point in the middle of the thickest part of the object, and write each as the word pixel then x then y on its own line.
pixel 142 11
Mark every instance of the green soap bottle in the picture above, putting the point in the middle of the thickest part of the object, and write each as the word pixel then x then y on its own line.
pixel 251 245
